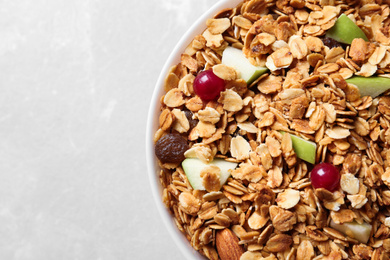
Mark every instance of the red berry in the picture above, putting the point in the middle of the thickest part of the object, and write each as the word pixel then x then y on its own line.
pixel 325 175
pixel 208 86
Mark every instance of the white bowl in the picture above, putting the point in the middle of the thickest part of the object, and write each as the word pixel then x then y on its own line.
pixel 152 125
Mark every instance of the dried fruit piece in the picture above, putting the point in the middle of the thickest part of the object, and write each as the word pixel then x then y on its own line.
pixel 235 58
pixel 331 43
pixel 325 175
pixel 304 149
pixel 190 117
pixel 360 232
pixel 208 86
pixel 193 168
pixel 171 148
pixel 345 30
pixel 371 86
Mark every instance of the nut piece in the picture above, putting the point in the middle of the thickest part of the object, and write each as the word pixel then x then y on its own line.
pixel 227 245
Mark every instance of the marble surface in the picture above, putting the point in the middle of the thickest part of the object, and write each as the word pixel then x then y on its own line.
pixel 76 79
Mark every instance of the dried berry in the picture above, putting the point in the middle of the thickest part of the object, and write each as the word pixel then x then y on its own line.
pixel 331 43
pixel 193 122
pixel 325 175
pixel 171 148
pixel 208 86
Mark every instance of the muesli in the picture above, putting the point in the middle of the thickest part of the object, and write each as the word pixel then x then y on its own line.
pixel 274 132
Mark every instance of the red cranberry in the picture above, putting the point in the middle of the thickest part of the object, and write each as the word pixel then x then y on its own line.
pixel 208 86
pixel 325 175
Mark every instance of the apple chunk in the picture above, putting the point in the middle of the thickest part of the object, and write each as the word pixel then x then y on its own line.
pixel 345 30
pixel 193 166
pixel 233 57
pixel 360 232
pixel 304 149
pixel 371 86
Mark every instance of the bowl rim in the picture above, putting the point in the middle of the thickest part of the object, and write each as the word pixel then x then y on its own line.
pixel 152 166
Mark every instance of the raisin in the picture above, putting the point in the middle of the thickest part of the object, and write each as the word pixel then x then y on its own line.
pixel 170 148
pixel 331 43
pixel 193 122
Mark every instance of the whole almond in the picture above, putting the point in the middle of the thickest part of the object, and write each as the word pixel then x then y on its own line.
pixel 227 245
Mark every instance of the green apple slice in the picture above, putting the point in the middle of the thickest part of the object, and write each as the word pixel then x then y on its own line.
pixel 304 149
pixel 345 30
pixel 360 232
pixel 193 166
pixel 235 58
pixel 371 86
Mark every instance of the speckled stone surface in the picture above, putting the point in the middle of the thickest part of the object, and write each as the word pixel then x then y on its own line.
pixel 76 79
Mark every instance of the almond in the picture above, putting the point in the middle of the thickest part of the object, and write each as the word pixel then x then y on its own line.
pixel 227 245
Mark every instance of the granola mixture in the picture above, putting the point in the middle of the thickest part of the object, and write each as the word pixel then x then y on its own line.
pixel 268 202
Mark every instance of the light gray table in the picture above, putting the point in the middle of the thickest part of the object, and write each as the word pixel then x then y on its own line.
pixel 76 78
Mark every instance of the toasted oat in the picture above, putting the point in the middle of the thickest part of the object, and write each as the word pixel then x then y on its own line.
pixel 265 156
pixel 189 203
pixel 211 178
pixel 317 118
pixel 212 40
pixel 249 172
pixel 328 68
pixel 349 183
pixel 298 47
pixel 186 84
pixel 242 22
pixel 367 70
pixel 166 119
pixel 334 54
pixel 218 26
pixel 337 132
pixel 270 84
pixel 248 127
pixel 266 38
pixel 231 101
pixel 209 115
pixel 274 146
pixel 275 177
pixel 279 243
pixel 281 58
pixel 313 30
pixel 174 98
pixel 240 148
pixel 248 255
pixel 378 55
pixel 257 221
pixel 203 129
pixel 288 199
pixel 305 250
pixel 225 72
pixel 283 220
pixel 181 123
pixel 342 216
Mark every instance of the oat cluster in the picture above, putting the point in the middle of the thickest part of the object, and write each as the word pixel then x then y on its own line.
pixel 268 202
